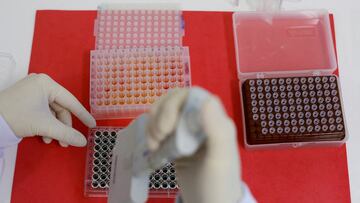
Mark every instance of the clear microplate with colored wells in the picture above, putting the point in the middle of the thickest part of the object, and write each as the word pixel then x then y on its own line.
pixel 125 82
pixel 288 46
pixel 101 141
pixel 116 29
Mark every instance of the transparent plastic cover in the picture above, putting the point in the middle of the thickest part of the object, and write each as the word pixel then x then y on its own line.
pixel 283 42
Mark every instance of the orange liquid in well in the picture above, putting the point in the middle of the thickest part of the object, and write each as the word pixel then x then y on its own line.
pixel 151 86
pixel 144 100
pixel 137 87
pixel 129 101
pixel 99 103
pixel 151 100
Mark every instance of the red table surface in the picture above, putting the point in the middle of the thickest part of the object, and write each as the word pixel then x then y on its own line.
pixel 61 48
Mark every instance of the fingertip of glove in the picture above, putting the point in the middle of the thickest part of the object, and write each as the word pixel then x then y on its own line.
pixel 63 144
pixel 91 122
pixel 83 142
pixel 78 140
pixel 46 140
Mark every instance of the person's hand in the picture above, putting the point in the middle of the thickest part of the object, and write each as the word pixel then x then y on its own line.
pixel 213 174
pixel 37 105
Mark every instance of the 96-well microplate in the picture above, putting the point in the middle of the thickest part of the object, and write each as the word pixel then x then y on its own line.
pixel 101 141
pixel 296 109
pixel 125 82
pixel 115 29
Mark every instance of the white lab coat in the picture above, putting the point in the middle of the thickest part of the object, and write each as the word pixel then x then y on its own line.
pixel 8 138
pixel 247 196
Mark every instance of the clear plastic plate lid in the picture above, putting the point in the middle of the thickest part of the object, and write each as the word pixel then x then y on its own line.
pixel 286 43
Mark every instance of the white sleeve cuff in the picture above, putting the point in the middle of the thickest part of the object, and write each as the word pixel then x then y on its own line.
pixel 7 136
pixel 247 195
pixel 246 198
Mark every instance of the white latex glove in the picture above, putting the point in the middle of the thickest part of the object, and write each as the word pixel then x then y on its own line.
pixel 37 105
pixel 213 174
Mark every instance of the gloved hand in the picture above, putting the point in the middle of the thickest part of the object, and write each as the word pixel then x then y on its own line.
pixel 213 174
pixel 37 105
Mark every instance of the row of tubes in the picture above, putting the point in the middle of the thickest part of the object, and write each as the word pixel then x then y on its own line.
pixel 117 37
pixel 129 77
pixel 142 24
pixel 101 184
pixel 131 93
pixel 300 115
pixel 295 122
pixel 297 94
pixel 171 39
pixel 151 82
pixel 109 12
pixel 301 104
pixel 102 155
pixel 137 87
pixel 294 108
pixel 301 129
pixel 128 44
pixel 146 62
pixel 136 18
pixel 136 52
pixel 162 185
pixel 289 88
pixel 139 69
pixel 291 101
pixel 128 53
pixel 126 101
pixel 99 133
pixel 282 81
